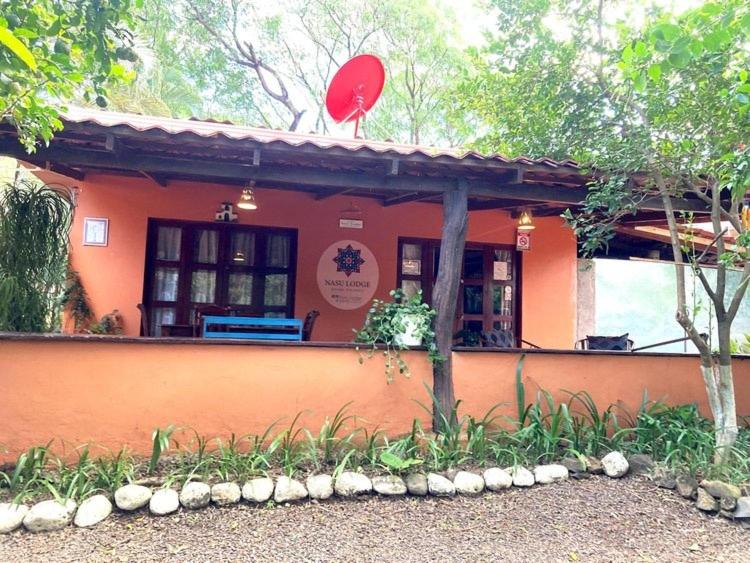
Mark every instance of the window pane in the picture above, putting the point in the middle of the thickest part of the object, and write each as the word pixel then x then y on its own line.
pixel 206 246
pixel 165 284
pixel 411 287
pixel 275 290
pixel 473 299
pixel 203 286
pixel 411 259
pixel 243 248
pixel 277 251
pixel 274 315
pixel 161 316
pixel 503 325
pixel 240 289
pixel 169 243
pixel 502 300
pixel 473 264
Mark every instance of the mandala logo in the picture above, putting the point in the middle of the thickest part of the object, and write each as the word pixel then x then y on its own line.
pixel 348 260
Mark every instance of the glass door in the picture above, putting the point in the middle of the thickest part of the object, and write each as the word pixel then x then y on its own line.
pixel 488 291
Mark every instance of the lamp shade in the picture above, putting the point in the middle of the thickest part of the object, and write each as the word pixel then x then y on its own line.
pixel 247 199
pixel 525 221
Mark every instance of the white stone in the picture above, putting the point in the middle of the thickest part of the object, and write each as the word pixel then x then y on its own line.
pixel 350 484
pixel 615 465
pixel 522 477
pixel 440 486
pixel 49 515
pixel 416 484
pixel 288 490
pixel 225 493
pixel 164 501
pixel 467 483
pixel 320 487
pixel 195 495
pixel 496 479
pixel 11 516
pixel 546 474
pixel 132 497
pixel 258 490
pixel 389 485
pixel 92 511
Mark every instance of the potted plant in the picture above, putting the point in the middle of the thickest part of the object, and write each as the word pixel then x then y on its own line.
pixel 394 326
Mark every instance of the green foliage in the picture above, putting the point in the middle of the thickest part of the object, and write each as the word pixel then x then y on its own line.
pixel 34 225
pixel 676 436
pixel 386 323
pixel 160 444
pixel 51 51
pixel 76 301
pixel 396 464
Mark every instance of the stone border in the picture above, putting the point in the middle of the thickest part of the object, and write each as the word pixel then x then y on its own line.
pixel 49 515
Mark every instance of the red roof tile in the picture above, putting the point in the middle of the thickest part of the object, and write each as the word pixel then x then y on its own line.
pixel 208 129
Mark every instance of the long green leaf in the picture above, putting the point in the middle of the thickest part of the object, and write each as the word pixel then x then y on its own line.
pixel 17 47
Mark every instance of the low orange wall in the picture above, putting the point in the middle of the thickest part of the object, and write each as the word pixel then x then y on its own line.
pixel 114 392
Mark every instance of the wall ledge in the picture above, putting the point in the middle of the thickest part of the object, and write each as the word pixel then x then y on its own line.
pixel 111 339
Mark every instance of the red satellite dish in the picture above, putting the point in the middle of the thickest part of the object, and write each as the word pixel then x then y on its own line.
pixel 355 88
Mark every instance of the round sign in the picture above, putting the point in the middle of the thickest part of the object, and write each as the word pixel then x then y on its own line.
pixel 348 274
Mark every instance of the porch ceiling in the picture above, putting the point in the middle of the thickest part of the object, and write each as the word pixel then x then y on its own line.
pixel 169 149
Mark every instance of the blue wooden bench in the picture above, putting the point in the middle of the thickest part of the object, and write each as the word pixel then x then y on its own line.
pixel 252 328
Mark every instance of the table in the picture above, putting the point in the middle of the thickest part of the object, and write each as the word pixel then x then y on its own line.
pixel 252 328
pixel 187 331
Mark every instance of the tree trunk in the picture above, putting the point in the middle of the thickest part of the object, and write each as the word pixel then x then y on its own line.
pixel 445 296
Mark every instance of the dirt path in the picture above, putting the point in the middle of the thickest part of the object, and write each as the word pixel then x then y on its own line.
pixel 593 520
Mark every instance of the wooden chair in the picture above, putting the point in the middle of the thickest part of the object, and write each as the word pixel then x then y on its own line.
pixel 204 310
pixel 497 338
pixel 145 327
pixel 309 324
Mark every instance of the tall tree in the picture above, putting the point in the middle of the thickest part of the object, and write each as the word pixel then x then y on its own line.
pixel 51 51
pixel 662 109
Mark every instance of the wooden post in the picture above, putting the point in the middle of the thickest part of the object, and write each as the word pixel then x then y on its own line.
pixel 445 296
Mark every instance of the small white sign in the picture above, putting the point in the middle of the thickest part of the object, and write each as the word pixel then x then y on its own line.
pixel 95 231
pixel 500 271
pixel 351 223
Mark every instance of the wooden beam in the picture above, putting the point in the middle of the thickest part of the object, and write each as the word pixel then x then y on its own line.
pixel 445 296
pixel 330 193
pixel 112 144
pixel 406 198
pixel 65 170
pixel 157 178
pixel 309 176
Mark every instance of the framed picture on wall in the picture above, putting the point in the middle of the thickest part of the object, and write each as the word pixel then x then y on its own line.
pixel 95 231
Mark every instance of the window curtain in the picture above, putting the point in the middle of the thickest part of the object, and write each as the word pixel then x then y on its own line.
pixel 207 247
pixel 169 243
pixel 277 251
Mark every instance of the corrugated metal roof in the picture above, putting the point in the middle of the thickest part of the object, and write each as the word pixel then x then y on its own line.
pixel 209 129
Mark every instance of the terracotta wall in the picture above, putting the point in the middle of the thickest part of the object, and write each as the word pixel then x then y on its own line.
pixel 113 275
pixel 114 393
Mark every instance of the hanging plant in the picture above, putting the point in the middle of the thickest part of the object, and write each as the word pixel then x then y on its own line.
pixel 394 326
pixel 34 227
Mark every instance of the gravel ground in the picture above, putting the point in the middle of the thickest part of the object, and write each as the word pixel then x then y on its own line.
pixel 597 519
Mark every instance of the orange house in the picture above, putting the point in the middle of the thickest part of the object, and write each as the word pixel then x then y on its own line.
pixel 159 234
pixel 148 191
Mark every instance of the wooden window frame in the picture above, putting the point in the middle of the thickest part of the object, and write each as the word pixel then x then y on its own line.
pixel 223 267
